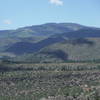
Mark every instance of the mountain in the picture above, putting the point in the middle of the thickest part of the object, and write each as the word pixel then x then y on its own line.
pixel 54 28
pixel 21 47
pixel 51 42
pixel 41 30
pixel 81 49
pixel 83 33
pixel 34 33
pixel 26 47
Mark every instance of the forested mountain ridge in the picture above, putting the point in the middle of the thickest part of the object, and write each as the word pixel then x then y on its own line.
pixel 51 42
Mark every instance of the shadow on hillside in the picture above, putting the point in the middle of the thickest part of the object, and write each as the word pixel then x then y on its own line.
pixel 79 41
pixel 58 54
pixel 21 47
pixel 8 69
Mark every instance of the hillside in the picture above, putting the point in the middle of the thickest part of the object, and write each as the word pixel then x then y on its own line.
pixel 61 62
pixel 69 50
pixel 35 33
pixel 51 42
pixel 41 30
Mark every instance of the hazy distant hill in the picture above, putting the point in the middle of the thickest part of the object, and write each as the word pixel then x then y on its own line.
pixel 41 30
pixel 21 47
pixel 34 33
pixel 52 42
pixel 70 49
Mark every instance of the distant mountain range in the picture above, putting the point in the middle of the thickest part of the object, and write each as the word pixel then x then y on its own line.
pixel 51 42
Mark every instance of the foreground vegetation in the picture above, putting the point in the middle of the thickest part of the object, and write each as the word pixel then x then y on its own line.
pixel 62 81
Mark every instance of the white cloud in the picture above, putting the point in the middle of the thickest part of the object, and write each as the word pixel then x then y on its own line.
pixel 7 21
pixel 57 2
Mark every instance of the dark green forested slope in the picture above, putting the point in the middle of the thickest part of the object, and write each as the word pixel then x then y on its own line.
pixel 52 42
pixel 69 50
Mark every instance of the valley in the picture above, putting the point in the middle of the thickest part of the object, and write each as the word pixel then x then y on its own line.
pixel 57 80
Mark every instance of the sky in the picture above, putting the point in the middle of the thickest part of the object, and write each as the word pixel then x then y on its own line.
pixel 20 13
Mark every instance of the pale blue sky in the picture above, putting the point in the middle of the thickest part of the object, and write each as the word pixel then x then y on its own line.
pixel 20 13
